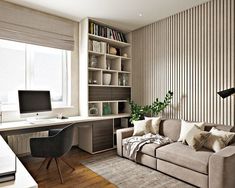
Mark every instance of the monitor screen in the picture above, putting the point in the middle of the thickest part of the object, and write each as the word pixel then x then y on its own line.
pixel 31 101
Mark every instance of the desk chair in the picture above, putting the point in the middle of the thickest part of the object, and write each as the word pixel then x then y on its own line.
pixel 57 144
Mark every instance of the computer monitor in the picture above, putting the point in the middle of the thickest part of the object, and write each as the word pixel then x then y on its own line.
pixel 33 101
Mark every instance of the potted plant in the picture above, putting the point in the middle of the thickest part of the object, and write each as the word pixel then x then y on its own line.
pixel 138 112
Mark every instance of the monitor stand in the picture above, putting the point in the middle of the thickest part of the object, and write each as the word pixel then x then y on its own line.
pixel 37 119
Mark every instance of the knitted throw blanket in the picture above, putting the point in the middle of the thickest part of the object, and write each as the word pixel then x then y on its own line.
pixel 133 144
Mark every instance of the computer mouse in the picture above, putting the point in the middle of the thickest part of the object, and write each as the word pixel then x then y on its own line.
pixel 64 117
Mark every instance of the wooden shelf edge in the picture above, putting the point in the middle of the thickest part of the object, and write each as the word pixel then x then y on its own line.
pixel 111 41
pixel 108 101
pixel 96 85
pixel 108 70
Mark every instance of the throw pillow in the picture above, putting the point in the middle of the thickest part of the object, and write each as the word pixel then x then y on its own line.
pixel 214 143
pixel 186 127
pixel 226 136
pixel 154 129
pixel 141 127
pixel 196 138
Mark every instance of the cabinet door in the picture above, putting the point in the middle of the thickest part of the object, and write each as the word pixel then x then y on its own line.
pixel 85 136
pixel 102 135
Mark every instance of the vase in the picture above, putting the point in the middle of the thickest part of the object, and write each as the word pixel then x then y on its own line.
pixel 107 78
pixel 107 109
pixel 93 61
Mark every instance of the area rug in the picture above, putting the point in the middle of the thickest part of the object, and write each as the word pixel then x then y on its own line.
pixel 127 174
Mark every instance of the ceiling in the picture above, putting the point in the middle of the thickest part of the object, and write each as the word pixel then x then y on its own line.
pixel 124 14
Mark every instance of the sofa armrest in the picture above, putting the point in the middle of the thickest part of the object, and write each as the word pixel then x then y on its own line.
pixel 222 168
pixel 122 134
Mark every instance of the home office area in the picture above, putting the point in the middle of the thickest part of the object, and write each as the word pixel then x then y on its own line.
pixel 107 94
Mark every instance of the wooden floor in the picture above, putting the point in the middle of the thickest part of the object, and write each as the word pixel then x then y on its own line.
pixel 82 177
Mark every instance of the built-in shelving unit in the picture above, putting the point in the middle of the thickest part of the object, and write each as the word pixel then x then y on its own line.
pixel 98 44
pixel 99 56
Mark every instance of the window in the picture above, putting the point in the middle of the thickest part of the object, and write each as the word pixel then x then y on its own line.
pixel 24 66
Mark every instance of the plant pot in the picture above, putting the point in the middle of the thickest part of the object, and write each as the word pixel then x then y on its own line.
pixel 107 78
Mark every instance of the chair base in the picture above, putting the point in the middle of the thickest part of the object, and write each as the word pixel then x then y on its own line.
pixel 57 160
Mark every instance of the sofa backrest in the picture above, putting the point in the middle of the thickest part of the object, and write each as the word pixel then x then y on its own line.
pixel 218 126
pixel 171 128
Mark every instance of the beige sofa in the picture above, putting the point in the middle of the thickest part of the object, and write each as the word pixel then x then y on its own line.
pixel 202 168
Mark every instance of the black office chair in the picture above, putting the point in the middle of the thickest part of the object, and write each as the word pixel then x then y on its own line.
pixel 57 144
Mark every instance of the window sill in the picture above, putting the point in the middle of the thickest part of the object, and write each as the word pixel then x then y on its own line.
pixel 59 107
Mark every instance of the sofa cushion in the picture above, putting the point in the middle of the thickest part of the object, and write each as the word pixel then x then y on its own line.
pixel 182 155
pixel 170 128
pixel 150 149
pixel 196 138
pixel 155 124
pixel 142 127
pixel 186 127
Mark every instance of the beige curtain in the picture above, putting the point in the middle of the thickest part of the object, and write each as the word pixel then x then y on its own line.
pixel 22 24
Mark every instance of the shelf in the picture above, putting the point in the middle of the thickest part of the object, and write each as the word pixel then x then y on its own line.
pixel 108 101
pixel 121 115
pixel 110 41
pixel 95 53
pixel 94 69
pixel 124 72
pixel 96 85
pixel 106 70
pixel 125 58
pixel 111 56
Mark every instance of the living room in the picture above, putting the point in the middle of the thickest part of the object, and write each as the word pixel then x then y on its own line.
pixel 117 93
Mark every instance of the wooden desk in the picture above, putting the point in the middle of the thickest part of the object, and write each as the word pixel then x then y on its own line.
pixel 21 127
pixel 23 178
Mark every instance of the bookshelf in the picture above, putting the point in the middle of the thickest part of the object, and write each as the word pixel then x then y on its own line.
pixel 104 52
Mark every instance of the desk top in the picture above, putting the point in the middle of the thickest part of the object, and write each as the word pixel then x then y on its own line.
pixel 54 121
pixel 23 178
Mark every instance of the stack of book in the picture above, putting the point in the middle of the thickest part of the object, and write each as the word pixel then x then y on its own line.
pixel 107 32
pixel 95 46
pixel 7 166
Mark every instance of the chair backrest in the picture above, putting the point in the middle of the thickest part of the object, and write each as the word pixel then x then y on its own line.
pixel 63 140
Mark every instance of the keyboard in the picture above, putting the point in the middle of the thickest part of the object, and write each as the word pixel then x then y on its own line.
pixel 42 121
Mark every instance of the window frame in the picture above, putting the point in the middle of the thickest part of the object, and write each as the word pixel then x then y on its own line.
pixel 66 79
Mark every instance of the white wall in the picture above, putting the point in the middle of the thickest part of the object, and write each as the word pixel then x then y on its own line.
pixel 191 54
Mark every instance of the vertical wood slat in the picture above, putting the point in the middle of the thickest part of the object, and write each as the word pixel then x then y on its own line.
pixel 191 54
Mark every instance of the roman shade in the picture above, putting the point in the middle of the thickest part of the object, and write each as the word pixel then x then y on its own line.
pixel 26 25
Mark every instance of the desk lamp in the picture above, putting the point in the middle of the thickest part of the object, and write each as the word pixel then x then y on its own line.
pixel 227 92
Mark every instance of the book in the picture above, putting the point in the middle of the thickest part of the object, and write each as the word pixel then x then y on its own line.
pixel 106 32
pixel 96 46
pixel 7 178
pixel 7 166
pixel 103 47
pixel 90 45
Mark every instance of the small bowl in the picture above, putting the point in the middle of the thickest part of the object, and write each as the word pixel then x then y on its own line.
pixel 94 81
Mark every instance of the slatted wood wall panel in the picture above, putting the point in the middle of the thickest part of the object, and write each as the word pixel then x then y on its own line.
pixel 191 54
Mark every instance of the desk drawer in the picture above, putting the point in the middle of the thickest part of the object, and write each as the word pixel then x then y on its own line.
pixel 102 135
